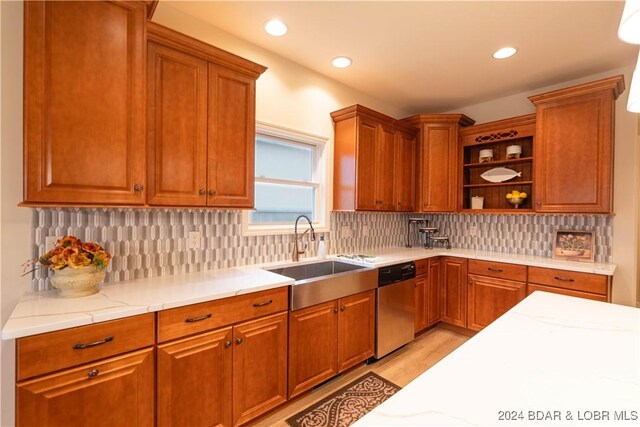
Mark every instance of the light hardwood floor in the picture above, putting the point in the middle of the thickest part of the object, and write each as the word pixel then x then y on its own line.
pixel 400 367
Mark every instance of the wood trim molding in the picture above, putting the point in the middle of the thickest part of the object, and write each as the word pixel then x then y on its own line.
pixel 171 38
pixel 360 110
pixel 459 119
pixel 498 124
pixel 615 83
pixel 151 7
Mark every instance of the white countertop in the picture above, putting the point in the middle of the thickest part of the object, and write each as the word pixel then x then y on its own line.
pixel 549 353
pixel 39 312
pixel 391 256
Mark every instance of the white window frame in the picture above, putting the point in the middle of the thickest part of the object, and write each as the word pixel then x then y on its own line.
pixel 295 137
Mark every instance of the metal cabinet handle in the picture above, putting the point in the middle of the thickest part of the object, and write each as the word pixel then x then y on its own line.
pixel 335 309
pixel 197 319
pixel 93 373
pixel 564 279
pixel 212 193
pixel 202 192
pixel 138 188
pixel 342 308
pixel 262 304
pixel 495 270
pixel 92 344
pixel 238 341
pixel 227 344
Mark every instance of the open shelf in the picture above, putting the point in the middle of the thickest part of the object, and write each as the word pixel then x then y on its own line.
pixel 497 136
pixel 499 184
pixel 499 162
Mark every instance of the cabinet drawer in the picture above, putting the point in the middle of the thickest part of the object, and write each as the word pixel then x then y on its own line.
pixel 499 270
pixel 532 288
pixel 191 319
pixel 584 282
pixel 421 266
pixel 44 353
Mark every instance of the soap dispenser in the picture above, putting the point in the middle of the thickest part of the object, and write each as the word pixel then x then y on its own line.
pixel 322 248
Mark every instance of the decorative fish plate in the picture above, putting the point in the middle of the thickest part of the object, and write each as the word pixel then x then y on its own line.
pixel 500 175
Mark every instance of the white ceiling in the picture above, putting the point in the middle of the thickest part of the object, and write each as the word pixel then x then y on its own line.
pixel 433 56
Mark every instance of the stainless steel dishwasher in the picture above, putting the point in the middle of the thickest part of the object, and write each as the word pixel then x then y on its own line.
pixel 395 307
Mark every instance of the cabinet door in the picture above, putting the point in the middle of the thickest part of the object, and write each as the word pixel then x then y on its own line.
pixel 231 146
pixel 366 175
pixel 176 128
pixel 259 366
pixel 113 392
pixel 84 102
pixel 490 298
pixel 194 380
pixel 356 329
pixel 438 168
pixel 313 346
pixel 384 167
pixel 405 172
pixel 574 154
pixel 420 319
pixel 432 292
pixel 453 307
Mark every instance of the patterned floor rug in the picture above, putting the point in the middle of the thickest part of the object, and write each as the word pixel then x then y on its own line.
pixel 347 405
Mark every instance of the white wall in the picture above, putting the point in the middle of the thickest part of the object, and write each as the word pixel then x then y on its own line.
pixel 15 222
pixel 626 225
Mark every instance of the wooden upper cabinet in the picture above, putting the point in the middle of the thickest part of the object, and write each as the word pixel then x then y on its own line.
pixel 84 102
pixel 201 130
pixel 405 174
pixel 437 160
pixel 369 173
pixel 176 127
pixel 574 147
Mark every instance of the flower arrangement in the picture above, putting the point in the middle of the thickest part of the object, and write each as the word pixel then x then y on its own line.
pixel 71 252
pixel 570 242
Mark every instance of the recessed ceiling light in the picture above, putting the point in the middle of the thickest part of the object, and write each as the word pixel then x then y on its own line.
pixel 505 52
pixel 275 27
pixel 341 61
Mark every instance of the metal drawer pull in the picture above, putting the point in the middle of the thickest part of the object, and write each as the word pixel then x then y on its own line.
pixel 262 304
pixel 93 373
pixel 495 270
pixel 197 319
pixel 92 344
pixel 238 341
pixel 227 344
pixel 562 279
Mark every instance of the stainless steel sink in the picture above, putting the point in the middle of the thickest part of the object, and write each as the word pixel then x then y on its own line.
pixel 323 281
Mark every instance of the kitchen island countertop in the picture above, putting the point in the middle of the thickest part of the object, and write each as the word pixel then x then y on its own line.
pixel 550 360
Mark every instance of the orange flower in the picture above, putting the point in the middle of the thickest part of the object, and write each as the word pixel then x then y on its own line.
pixel 69 241
pixel 91 247
pixel 67 253
pixel 79 260
pixel 57 262
pixel 101 259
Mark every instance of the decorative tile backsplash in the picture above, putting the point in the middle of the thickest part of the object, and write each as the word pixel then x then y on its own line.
pixel 153 242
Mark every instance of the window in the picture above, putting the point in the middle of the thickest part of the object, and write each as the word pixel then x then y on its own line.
pixel 290 171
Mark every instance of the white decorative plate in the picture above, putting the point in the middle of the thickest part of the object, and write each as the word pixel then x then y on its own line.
pixel 500 175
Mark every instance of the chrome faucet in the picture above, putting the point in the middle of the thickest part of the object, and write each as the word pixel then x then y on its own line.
pixel 296 250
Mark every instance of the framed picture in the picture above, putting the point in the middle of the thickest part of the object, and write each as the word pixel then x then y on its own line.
pixel 574 245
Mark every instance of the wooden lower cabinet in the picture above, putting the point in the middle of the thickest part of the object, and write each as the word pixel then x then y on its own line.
pixel 114 392
pixel 259 367
pixel 356 329
pixel 453 297
pixel 224 377
pixel 327 338
pixel 489 298
pixel 433 291
pixel 194 380
pixel 420 318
